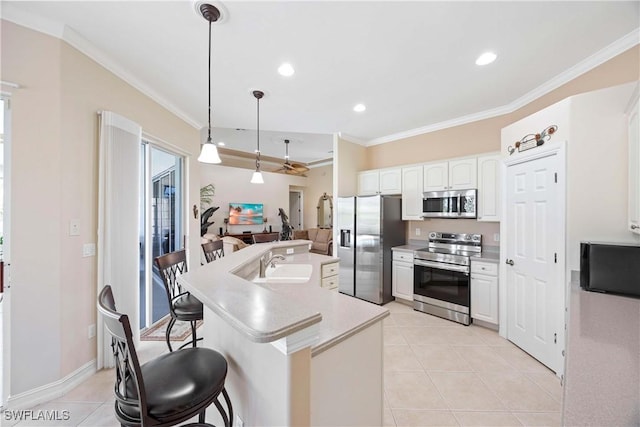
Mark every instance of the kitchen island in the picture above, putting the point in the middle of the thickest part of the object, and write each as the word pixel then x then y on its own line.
pixel 298 354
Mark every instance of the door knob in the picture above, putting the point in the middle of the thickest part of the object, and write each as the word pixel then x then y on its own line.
pixel 509 261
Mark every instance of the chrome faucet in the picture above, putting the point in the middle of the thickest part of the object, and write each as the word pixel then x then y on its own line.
pixel 269 262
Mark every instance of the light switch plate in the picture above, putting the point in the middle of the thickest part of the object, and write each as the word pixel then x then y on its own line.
pixel 74 227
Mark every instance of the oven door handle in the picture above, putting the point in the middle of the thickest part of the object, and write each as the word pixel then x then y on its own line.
pixel 440 266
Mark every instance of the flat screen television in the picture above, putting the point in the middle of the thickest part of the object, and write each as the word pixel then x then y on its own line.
pixel 246 213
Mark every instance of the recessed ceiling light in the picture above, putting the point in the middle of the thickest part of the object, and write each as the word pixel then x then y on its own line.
pixel 359 108
pixel 486 58
pixel 286 70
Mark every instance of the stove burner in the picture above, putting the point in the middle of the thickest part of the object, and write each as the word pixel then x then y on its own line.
pixel 451 248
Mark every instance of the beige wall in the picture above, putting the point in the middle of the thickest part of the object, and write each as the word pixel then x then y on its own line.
pixel 233 186
pixel 595 130
pixel 54 179
pixel 349 158
pixel 484 135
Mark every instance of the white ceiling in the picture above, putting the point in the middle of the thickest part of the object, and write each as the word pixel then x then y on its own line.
pixel 411 63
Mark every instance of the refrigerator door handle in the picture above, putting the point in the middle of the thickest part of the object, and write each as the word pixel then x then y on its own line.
pixel 345 238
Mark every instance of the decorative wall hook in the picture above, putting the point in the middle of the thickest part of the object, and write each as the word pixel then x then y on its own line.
pixel 533 140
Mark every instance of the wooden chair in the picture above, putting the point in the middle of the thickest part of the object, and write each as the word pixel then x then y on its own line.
pixel 165 391
pixel 182 305
pixel 213 250
pixel 265 237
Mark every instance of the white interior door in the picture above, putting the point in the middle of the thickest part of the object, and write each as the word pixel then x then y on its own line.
pixel 535 241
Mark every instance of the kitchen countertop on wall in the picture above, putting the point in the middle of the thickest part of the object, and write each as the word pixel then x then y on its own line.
pixel 602 368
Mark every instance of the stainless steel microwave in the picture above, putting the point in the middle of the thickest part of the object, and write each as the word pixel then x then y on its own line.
pixel 610 267
pixel 450 204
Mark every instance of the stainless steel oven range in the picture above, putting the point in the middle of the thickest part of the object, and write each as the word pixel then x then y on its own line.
pixel 441 280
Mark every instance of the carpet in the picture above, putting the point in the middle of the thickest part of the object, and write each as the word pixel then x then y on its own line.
pixel 179 332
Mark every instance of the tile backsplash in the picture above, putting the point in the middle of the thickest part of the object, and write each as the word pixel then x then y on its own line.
pixel 489 230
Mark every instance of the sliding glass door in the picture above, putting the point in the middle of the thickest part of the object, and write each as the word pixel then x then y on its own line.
pixel 161 225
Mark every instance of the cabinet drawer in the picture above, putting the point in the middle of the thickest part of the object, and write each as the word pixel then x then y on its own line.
pixel 489 268
pixel 329 270
pixel 330 282
pixel 403 256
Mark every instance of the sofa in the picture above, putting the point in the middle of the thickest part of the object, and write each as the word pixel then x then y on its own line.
pixel 321 238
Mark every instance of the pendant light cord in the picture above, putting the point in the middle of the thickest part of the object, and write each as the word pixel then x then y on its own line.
pixel 209 132
pixel 258 141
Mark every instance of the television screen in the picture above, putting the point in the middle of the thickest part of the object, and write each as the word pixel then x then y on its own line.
pixel 245 213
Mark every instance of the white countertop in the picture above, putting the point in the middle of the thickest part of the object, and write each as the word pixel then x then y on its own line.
pixel 486 255
pixel 602 366
pixel 270 311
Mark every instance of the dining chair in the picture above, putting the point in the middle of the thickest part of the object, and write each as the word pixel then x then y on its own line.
pixel 265 237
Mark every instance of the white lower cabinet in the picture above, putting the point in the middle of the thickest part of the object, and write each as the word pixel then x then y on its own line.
pixel 484 291
pixel 402 275
pixel 329 275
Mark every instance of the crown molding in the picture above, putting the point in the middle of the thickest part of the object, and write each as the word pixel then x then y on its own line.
pixel 80 43
pixel 351 138
pixel 614 49
pixel 75 40
pixel 29 20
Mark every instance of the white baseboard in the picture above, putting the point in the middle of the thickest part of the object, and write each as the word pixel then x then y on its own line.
pixel 31 398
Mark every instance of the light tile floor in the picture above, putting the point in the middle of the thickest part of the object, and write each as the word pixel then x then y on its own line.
pixel 436 373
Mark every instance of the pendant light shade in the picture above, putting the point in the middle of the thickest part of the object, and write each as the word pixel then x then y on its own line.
pixel 256 178
pixel 257 175
pixel 209 151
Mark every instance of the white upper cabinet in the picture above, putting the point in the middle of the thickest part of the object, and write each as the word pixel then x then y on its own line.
pixel 380 181
pixel 458 174
pixel 634 168
pixel 463 174
pixel 368 183
pixel 436 176
pixel 412 193
pixel 391 181
pixel 489 187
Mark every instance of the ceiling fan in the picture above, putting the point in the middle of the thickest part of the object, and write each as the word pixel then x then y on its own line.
pixel 291 168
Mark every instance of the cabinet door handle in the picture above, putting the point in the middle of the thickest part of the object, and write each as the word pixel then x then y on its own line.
pixel 634 227
pixel 510 262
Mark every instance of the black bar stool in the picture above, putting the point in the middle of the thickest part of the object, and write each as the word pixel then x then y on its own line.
pixel 167 390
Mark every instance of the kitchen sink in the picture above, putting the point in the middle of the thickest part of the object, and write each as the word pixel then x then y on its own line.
pixel 286 273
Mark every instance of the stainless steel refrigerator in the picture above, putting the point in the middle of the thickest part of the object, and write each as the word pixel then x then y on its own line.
pixel 369 226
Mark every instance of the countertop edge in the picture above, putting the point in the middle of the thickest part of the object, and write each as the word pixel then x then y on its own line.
pixel 332 343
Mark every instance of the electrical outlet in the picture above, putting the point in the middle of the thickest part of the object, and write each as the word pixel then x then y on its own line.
pixel 418 231
pixel 92 330
pixel 239 422
pixel 290 251
pixel 496 237
pixel 88 249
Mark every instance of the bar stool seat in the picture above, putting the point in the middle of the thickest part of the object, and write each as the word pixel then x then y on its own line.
pixel 187 307
pixel 177 382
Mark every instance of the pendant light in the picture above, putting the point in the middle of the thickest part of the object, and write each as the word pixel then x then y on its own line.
pixel 257 175
pixel 209 151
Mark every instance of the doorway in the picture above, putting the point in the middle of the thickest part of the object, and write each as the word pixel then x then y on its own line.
pixel 534 230
pixel 295 209
pixel 161 225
